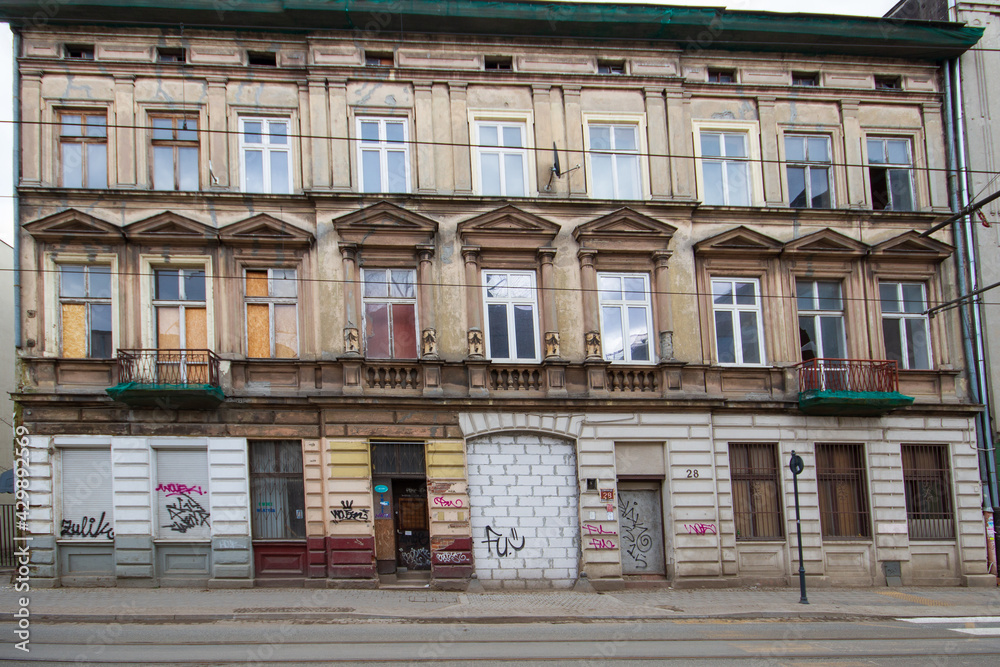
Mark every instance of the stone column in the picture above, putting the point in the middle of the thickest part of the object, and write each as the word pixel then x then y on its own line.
pixel 543 137
pixel 425 299
pixel 473 302
pixel 462 150
pixel 656 133
pixel 549 319
pixel 31 132
pixel 319 127
pixel 770 169
pixel 305 129
pixel 218 138
pixel 340 147
pixel 577 183
pixel 853 155
pixel 424 113
pixel 937 186
pixel 681 142
pixel 444 157
pixel 352 320
pixel 591 304
pixel 123 150
pixel 664 314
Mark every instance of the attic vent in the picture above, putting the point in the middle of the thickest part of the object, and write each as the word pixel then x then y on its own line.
pixel 262 58
pixel 721 75
pixel 888 83
pixel 498 63
pixel 164 55
pixel 378 59
pixel 80 51
pixel 610 66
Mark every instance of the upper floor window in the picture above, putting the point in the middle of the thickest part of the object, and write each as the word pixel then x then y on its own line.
pixel 889 174
pixel 262 58
pixel 626 317
pixel 904 325
pixel 725 168
pixel 171 55
pixel 614 161
pixel 888 83
pixel 503 63
pixel 390 313
pixel 821 319
pixel 272 313
pixel 502 158
pixel 610 66
pixel 85 310
pixel 383 154
pixel 511 315
pixel 808 168
pixel 739 331
pixel 180 311
pixel 79 51
pixel 378 59
pixel 265 160
pixel 175 152
pixel 805 79
pixel 83 149
pixel 721 75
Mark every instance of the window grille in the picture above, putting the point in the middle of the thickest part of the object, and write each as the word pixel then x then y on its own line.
pixel 398 458
pixel 756 495
pixel 929 513
pixel 277 495
pixel 843 491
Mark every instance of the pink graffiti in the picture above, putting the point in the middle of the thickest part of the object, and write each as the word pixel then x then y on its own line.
pixel 700 528
pixel 452 557
pixel 598 530
pixel 441 501
pixel 180 489
pixel 599 543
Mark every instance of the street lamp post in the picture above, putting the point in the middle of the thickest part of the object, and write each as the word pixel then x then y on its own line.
pixel 796 466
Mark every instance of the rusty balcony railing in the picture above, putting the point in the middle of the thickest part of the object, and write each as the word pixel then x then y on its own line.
pixel 168 367
pixel 850 387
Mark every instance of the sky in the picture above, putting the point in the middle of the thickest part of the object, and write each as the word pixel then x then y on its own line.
pixel 857 7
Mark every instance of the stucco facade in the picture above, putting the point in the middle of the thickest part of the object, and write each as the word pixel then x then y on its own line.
pixel 496 431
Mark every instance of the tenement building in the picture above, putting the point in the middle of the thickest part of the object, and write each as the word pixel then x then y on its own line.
pixel 355 293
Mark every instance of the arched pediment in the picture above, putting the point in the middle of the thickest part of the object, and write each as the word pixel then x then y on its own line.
pixel 265 230
pixel 913 247
pixel 385 224
pixel 73 226
pixel 172 228
pixel 825 243
pixel 625 230
pixel 508 227
pixel 740 240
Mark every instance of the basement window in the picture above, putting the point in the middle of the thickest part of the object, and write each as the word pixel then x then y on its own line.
pixel 888 83
pixel 262 58
pixel 805 78
pixel 721 75
pixel 79 51
pixel 504 63
pixel 165 55
pixel 378 59
pixel 610 66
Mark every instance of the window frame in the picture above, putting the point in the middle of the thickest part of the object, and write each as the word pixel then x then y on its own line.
pixel 266 151
pixel 526 123
pixel 298 476
pixel 941 477
pixel 147 282
pixel 636 122
pixel 856 476
pixel 390 301
pixel 817 313
pixel 176 144
pixel 51 280
pixel 105 470
pixel 624 305
pixel 271 301
pixel 808 165
pixel 206 495
pixel 889 167
pixel 84 140
pixel 510 303
pixel 775 516
pixel 182 303
pixel 751 132
pixel 904 363
pixel 757 308
pixel 383 147
pixel 87 301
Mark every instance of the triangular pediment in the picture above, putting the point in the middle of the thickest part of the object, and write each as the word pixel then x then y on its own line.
pixel 826 242
pixel 740 240
pixel 507 227
pixel 72 226
pixel 624 229
pixel 385 224
pixel 264 230
pixel 170 227
pixel 911 246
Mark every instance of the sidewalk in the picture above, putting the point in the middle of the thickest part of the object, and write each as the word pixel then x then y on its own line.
pixel 177 605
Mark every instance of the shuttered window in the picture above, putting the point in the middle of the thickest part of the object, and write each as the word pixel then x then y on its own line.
pixel 87 500
pixel 182 507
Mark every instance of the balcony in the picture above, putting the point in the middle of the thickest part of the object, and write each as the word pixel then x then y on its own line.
pixel 168 379
pixel 850 387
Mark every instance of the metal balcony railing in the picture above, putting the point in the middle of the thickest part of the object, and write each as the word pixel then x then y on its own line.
pixel 168 367
pixel 848 375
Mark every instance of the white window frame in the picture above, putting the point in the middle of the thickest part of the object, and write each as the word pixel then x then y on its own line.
pixel 736 309
pixel 175 144
pixel 904 362
pixel 149 264
pixel 623 305
pixel 638 124
pixel 382 147
pixel 751 130
pixel 390 301
pixel 817 313
pixel 267 149
pixel 88 300
pixel 523 120
pixel 510 302
pixel 910 142
pixel 808 166
pixel 271 301
pixel 53 319
pixel 103 483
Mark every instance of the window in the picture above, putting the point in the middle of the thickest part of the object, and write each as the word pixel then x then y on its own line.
pixel 614 161
pixel 164 55
pixel 808 167
pixel 843 492
pixel 888 83
pixel 383 154
pixel 502 158
pixel 264 155
pixel 756 498
pixel 821 319
pixel 175 152
pixel 277 497
pixel 272 313
pixel 378 59
pixel 626 319
pixel 725 168
pixel 904 326
pixel 511 315
pixel 805 79
pixel 179 304
pixel 262 58
pixel 83 149
pixel 505 63
pixel 889 174
pixel 79 51
pixel 390 321
pixel 610 66
pixel 738 327
pixel 85 311
pixel 721 75
pixel 182 507
pixel 87 507
pixel 929 513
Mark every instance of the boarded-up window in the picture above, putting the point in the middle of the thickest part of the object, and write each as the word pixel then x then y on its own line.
pixel 272 313
pixel 87 503
pixel 182 505
pixel 277 498
pixel 390 313
pixel 843 491
pixel 181 316
pixel 929 514
pixel 85 310
pixel 756 499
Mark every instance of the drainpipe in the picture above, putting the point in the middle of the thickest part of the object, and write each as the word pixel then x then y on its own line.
pixel 16 178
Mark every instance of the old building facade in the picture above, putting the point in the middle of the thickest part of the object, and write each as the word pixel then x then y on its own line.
pixel 380 300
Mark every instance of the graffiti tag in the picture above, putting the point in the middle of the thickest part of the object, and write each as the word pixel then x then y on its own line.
pixel 452 557
pixel 186 513
pixel 597 530
pixel 444 502
pixel 700 529
pixel 601 543
pixel 348 513
pixel 87 527
pixel 635 533
pixel 178 489
pixel 502 544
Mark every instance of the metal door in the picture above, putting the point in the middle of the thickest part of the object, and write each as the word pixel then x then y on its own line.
pixel 413 542
pixel 641 524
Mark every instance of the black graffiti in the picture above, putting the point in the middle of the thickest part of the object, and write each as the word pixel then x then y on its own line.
pixel 87 527
pixel 506 542
pixel 186 513
pixel 634 532
pixel 348 513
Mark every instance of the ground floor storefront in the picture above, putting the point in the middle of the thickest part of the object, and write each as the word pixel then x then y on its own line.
pixel 514 500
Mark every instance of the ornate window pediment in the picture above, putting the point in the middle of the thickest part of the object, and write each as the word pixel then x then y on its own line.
pixel 825 243
pixel 74 227
pixel 913 247
pixel 625 230
pixel 739 241
pixel 385 225
pixel 169 227
pixel 265 230
pixel 508 227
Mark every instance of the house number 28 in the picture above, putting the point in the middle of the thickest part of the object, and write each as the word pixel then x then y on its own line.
pixel 692 474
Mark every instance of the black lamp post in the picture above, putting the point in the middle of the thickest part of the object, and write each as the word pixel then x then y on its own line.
pixel 796 466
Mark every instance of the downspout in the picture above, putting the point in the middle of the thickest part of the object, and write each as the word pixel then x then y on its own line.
pixel 16 178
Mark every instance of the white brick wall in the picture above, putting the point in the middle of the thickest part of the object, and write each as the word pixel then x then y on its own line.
pixel 524 484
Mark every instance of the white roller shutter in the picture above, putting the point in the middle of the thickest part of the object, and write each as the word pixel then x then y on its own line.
pixel 87 498
pixel 182 507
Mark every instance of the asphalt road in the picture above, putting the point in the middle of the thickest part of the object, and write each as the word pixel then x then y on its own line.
pixel 970 641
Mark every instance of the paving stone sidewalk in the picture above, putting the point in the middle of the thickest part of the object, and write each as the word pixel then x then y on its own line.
pixel 344 606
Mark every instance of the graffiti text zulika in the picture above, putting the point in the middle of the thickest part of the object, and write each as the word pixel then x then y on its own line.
pixel 87 527
pixel 348 513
